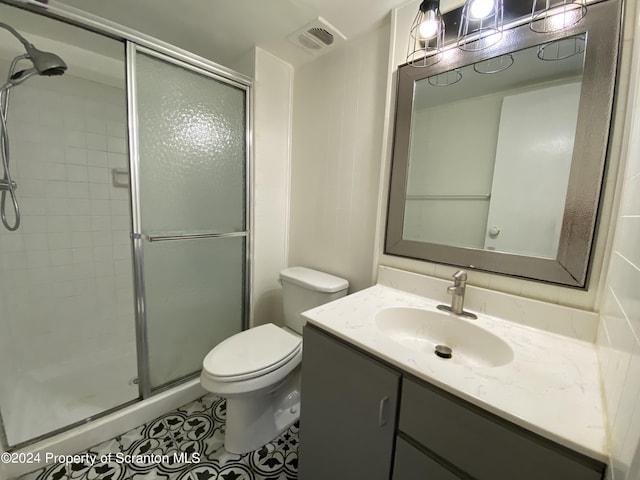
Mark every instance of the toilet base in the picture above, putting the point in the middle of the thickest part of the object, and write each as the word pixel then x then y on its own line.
pixel 255 420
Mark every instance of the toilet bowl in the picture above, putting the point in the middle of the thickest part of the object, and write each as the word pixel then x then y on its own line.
pixel 258 370
pixel 250 370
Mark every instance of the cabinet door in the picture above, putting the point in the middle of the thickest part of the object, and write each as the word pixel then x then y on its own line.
pixel 347 413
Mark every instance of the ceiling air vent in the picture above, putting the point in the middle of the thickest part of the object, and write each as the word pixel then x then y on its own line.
pixel 321 34
pixel 317 36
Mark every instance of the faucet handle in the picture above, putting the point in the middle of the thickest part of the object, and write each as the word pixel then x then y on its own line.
pixel 460 276
pixel 455 290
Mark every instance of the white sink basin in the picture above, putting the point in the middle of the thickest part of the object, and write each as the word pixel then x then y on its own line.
pixel 421 330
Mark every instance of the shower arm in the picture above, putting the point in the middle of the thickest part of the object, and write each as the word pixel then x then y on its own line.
pixel 27 46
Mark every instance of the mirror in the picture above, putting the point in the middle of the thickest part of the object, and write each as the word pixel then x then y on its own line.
pixel 499 155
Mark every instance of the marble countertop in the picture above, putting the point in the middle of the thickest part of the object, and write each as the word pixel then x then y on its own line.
pixel 551 387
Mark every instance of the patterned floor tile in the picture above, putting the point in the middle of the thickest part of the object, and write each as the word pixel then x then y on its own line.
pixel 185 444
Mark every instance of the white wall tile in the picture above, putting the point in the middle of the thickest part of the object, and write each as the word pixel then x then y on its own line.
pixel 77 190
pixel 56 206
pixel 53 171
pixel 96 125
pixel 116 145
pixel 98 175
pixel 96 142
pixel 96 158
pixel 75 138
pixel 58 272
pixel 99 191
pixel 619 334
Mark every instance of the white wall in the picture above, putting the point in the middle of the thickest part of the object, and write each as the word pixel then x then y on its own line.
pixel 271 172
pixel 338 121
pixel 619 333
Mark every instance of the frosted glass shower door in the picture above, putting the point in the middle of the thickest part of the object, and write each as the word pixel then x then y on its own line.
pixel 191 231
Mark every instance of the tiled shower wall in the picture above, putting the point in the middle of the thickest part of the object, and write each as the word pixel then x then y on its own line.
pixel 65 275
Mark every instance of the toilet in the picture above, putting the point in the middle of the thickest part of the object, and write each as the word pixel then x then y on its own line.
pixel 258 370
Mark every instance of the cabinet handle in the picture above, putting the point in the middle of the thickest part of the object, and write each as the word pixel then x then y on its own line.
pixel 381 420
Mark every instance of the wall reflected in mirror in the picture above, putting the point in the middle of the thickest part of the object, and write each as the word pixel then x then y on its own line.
pixel 506 127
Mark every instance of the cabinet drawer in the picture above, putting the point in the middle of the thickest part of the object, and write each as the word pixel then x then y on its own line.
pixel 483 445
pixel 412 464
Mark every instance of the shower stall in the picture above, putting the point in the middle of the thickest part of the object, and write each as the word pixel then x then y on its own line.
pixel 129 257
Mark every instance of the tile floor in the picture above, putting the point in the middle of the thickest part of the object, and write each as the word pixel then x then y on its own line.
pixel 185 444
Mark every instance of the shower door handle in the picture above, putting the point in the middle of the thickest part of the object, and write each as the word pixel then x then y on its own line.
pixel 381 417
pixel 188 236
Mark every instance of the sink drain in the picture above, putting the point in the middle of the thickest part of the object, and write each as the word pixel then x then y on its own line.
pixel 443 351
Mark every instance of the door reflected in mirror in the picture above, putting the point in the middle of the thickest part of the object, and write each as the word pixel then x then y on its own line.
pixel 504 184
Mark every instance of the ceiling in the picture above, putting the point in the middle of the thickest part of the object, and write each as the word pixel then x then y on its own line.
pixel 225 30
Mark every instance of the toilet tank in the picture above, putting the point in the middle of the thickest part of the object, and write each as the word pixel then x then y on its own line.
pixel 303 289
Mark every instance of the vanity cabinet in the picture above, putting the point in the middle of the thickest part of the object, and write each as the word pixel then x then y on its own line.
pixel 347 414
pixel 361 418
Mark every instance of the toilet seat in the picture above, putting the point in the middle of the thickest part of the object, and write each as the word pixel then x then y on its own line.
pixel 252 353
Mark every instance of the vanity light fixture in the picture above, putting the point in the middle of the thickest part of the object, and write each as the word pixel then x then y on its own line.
pixel 426 36
pixel 552 16
pixel 480 24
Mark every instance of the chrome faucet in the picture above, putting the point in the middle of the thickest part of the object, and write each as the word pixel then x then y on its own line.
pixel 457 291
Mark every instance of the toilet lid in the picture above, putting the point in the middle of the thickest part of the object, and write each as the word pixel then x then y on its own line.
pixel 252 353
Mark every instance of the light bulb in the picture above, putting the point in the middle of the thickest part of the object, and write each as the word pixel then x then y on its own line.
pixel 428 29
pixel 429 26
pixel 481 8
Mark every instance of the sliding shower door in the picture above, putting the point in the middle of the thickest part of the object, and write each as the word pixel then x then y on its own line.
pixel 189 165
pixel 67 338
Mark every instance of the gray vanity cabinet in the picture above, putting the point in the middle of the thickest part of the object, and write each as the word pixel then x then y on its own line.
pixel 348 410
pixel 348 427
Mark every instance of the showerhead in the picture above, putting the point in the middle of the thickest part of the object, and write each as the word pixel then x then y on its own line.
pixel 46 63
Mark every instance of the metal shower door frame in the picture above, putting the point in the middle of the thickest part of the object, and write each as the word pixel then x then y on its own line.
pixel 134 40
pixel 137 235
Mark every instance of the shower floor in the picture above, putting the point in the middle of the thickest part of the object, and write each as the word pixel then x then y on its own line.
pixel 185 444
pixel 57 396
